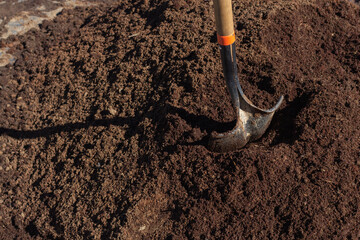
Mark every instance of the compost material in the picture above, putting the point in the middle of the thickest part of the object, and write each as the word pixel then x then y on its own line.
pixel 105 114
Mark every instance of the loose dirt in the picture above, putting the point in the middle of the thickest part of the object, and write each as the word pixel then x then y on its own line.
pixel 106 112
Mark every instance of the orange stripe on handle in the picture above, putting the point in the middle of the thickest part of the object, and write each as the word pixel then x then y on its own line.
pixel 226 40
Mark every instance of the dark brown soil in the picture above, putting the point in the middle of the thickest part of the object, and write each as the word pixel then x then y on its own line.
pixel 104 118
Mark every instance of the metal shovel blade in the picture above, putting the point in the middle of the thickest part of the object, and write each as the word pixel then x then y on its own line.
pixel 251 124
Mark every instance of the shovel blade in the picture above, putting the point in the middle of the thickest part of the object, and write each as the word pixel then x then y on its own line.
pixel 251 124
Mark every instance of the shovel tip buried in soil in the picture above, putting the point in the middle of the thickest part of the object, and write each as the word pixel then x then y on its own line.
pixel 251 124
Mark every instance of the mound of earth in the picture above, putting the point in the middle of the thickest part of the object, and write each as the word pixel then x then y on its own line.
pixel 105 115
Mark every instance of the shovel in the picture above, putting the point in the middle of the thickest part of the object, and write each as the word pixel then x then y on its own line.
pixel 251 121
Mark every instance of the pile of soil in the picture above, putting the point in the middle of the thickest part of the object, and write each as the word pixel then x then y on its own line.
pixel 104 119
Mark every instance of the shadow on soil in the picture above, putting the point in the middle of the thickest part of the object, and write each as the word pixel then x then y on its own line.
pixel 284 121
pixel 204 123
pixel 200 121
pixel 68 127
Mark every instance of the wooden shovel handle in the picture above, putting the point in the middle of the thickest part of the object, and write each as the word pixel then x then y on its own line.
pixel 224 17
